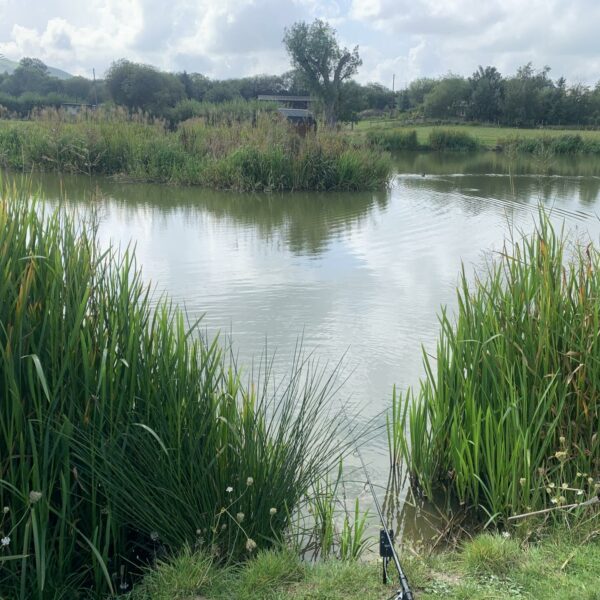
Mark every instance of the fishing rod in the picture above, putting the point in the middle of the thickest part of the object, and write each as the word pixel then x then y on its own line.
pixel 386 545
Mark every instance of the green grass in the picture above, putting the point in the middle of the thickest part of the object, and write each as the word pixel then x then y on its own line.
pixel 487 137
pixel 244 155
pixel 506 418
pixel 124 434
pixel 562 565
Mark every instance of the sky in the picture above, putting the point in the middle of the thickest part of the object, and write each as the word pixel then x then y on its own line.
pixel 234 38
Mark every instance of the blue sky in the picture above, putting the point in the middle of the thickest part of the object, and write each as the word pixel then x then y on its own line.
pixel 230 38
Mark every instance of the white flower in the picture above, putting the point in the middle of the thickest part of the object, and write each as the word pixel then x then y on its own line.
pixel 6 510
pixel 229 489
pixel 505 534
pixel 522 481
pixel 250 545
pixel 562 439
pixel 565 486
pixel 249 481
pixel 273 511
pixel 240 517
pixel 5 541
pixel 35 497
pixel 154 536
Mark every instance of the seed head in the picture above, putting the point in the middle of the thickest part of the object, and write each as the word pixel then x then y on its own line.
pixel 229 489
pixel 273 511
pixel 35 497
pixel 249 481
pixel 250 545
pixel 240 517
pixel 5 541
pixel 6 510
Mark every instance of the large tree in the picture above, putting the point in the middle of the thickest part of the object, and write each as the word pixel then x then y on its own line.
pixel 315 52
pixel 487 94
pixel 138 86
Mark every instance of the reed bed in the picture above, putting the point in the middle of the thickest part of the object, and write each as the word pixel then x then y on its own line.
pixel 125 434
pixel 566 144
pixel 506 419
pixel 265 154
pixel 393 140
pixel 452 140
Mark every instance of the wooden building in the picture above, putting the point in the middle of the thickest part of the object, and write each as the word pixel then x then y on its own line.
pixel 295 109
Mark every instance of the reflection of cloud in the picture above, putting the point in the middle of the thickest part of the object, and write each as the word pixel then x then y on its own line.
pixel 229 38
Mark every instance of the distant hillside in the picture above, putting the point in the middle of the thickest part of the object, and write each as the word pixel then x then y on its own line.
pixel 9 66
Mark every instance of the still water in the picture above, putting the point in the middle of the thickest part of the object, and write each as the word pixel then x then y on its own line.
pixel 357 275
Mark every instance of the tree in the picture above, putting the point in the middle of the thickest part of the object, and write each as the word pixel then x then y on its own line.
pixel 447 99
pixel 526 98
pixel 315 52
pixel 487 93
pixel 143 87
pixel 30 76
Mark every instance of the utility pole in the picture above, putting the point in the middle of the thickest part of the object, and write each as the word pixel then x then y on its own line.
pixel 95 90
pixel 394 82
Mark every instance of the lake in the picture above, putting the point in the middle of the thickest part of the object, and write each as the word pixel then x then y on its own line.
pixel 358 276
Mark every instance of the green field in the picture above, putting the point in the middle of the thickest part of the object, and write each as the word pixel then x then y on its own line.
pixel 487 136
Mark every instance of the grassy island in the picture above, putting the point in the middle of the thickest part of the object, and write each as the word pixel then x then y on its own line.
pixel 260 154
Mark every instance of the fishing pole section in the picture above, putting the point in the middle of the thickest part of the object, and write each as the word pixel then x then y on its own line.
pixel 387 551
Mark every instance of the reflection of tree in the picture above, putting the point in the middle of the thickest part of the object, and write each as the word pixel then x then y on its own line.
pixel 306 221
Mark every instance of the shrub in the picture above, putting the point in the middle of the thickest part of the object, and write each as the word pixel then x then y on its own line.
pixel 448 139
pixel 393 140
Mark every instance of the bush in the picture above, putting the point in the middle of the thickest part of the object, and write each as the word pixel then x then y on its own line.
pixel 551 144
pixel 448 139
pixel 393 140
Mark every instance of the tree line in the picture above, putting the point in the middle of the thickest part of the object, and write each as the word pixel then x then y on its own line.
pixel 528 98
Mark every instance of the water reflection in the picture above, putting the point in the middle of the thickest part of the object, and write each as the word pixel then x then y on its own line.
pixel 305 222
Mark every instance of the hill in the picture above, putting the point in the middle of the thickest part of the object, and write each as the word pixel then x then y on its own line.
pixel 8 66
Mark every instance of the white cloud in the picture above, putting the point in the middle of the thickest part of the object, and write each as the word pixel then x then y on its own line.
pixel 226 38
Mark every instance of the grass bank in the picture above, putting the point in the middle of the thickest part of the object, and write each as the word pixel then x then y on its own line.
pixel 506 419
pixel 124 434
pixel 562 565
pixel 562 141
pixel 265 154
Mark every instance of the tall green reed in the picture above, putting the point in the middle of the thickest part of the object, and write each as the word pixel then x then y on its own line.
pixel 506 419
pixel 265 154
pixel 125 434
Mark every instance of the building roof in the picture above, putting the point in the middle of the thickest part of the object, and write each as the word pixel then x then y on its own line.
pixel 295 113
pixel 276 98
